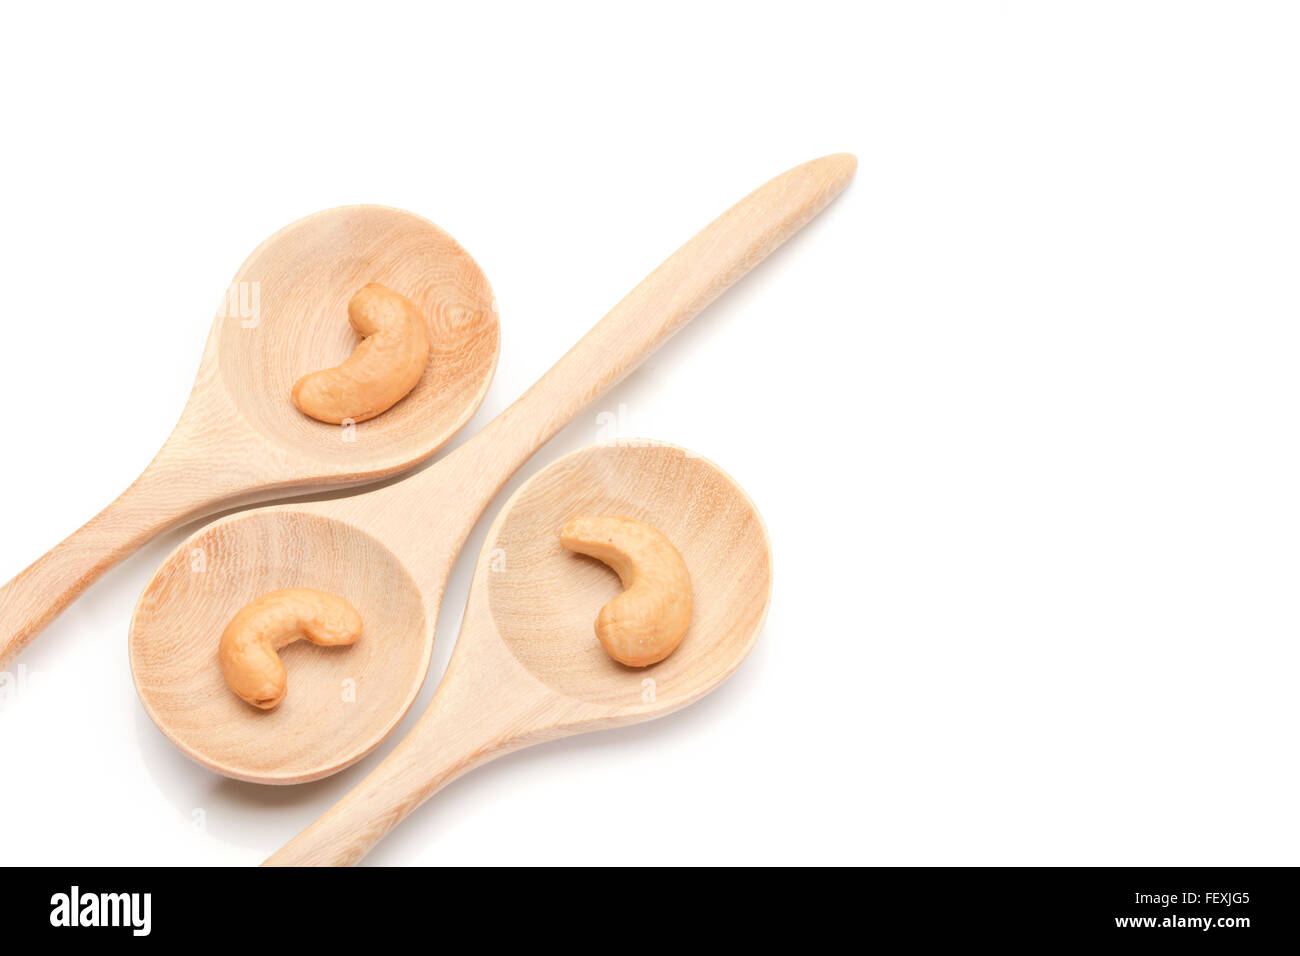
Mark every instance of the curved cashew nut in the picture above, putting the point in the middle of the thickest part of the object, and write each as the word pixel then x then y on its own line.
pixel 383 369
pixel 249 660
pixel 645 623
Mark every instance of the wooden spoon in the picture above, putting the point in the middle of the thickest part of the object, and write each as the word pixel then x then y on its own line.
pixel 240 438
pixel 527 666
pixel 389 551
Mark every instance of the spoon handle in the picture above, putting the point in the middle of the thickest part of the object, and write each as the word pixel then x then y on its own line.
pixel 667 299
pixel 482 710
pixel 168 492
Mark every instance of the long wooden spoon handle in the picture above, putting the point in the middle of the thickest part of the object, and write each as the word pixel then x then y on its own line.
pixel 667 299
pixel 164 496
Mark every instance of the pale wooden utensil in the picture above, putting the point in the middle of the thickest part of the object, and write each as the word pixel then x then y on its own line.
pixel 389 551
pixel 527 666
pixel 240 438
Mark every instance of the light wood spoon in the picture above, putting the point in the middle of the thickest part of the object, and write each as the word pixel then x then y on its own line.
pixel 389 551
pixel 240 438
pixel 527 666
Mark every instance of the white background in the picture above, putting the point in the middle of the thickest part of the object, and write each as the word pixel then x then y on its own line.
pixel 1020 409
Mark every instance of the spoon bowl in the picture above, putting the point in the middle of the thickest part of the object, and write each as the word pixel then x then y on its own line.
pixel 304 277
pixel 527 666
pixel 543 598
pixel 241 439
pixel 341 701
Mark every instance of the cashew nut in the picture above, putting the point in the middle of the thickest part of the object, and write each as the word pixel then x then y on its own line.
pixel 383 368
pixel 645 623
pixel 249 660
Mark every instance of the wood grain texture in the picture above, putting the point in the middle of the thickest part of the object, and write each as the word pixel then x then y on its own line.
pixel 527 667
pixel 240 439
pixel 424 520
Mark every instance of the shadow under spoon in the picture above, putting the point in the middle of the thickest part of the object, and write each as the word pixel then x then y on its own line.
pixel 389 551
pixel 240 439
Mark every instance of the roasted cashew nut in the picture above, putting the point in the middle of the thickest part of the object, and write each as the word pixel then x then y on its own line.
pixel 382 370
pixel 249 644
pixel 645 623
